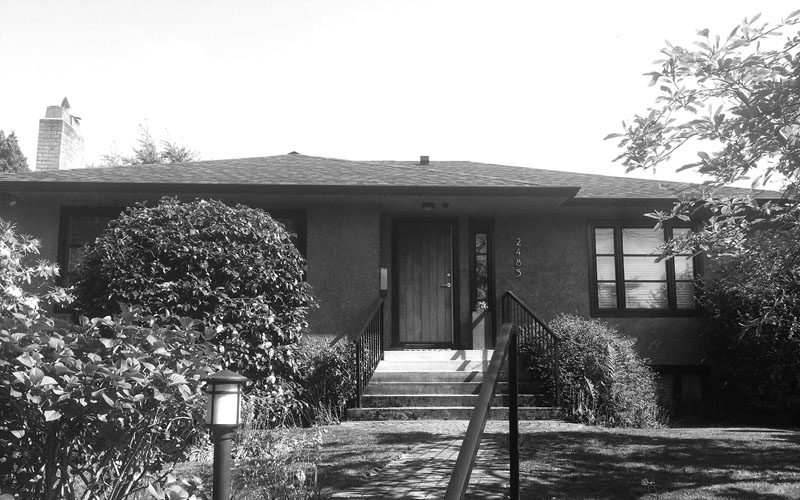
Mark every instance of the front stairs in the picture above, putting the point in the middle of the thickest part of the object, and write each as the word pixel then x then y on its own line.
pixel 440 384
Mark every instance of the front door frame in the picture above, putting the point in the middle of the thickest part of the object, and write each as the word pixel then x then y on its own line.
pixel 455 280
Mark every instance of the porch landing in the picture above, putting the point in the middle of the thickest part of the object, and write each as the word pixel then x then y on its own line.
pixel 440 384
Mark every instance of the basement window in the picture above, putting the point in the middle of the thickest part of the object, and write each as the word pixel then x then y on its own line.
pixel 627 279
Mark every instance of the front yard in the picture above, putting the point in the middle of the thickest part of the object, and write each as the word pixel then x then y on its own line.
pixel 567 460
pixel 662 463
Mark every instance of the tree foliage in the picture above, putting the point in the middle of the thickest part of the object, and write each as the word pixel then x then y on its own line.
pixel 11 157
pixel 233 269
pixel 149 151
pixel 735 99
pixel 753 300
pixel 23 283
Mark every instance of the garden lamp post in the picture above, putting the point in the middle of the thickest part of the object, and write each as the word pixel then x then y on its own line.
pixel 224 415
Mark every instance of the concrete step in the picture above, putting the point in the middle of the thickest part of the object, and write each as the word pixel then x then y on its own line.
pixel 451 413
pixel 437 355
pixel 381 388
pixel 433 376
pixel 427 376
pixel 390 386
pixel 437 400
pixel 431 365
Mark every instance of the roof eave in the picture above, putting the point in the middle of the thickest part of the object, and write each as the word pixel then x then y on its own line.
pixel 635 202
pixel 538 191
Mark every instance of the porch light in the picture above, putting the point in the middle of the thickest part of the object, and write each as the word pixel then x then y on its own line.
pixel 224 415
pixel 224 400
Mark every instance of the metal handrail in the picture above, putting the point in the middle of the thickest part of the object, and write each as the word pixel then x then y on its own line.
pixel 369 349
pixel 506 347
pixel 527 309
pixel 535 333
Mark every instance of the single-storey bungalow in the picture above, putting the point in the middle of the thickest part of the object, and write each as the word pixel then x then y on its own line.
pixel 440 240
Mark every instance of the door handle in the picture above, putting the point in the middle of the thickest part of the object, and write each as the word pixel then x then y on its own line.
pixel 446 285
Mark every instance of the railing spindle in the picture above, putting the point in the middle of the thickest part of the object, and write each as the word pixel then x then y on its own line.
pixel 369 349
pixel 534 334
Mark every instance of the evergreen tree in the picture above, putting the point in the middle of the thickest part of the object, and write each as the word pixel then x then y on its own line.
pixel 11 157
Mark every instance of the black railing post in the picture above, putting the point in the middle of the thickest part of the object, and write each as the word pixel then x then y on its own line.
pixel 513 414
pixel 358 374
pixel 369 349
pixel 557 372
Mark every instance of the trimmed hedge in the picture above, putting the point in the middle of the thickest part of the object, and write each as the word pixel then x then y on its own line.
pixel 232 269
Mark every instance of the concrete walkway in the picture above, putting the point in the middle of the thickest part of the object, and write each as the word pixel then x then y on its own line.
pixel 424 471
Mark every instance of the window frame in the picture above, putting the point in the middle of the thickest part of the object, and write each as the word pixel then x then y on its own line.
pixel 619 274
pixel 481 226
pixel 65 232
pixel 68 212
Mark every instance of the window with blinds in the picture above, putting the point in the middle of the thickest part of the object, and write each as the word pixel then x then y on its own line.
pixel 627 275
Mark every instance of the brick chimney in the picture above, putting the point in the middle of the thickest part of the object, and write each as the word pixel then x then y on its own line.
pixel 60 145
pixel 424 160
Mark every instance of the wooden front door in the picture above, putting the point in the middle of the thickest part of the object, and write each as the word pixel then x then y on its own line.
pixel 424 282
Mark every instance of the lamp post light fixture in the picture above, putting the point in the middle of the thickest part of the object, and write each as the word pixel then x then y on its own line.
pixel 224 415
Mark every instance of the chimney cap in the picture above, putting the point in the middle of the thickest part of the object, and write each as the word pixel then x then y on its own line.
pixel 424 160
pixel 65 104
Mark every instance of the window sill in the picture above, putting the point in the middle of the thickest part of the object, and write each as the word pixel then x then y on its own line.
pixel 645 313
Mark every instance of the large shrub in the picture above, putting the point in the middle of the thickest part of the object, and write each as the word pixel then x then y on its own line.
pixel 753 303
pixel 602 379
pixel 99 410
pixel 233 269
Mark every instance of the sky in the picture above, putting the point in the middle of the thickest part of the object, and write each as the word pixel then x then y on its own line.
pixel 535 84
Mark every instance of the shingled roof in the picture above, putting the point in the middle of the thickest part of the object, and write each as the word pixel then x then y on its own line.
pixel 314 174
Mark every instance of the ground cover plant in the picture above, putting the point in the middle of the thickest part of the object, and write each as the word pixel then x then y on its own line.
pixel 327 380
pixel 601 378
pixel 234 270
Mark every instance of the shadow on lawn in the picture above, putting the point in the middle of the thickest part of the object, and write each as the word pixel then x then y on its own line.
pixel 348 460
pixel 570 464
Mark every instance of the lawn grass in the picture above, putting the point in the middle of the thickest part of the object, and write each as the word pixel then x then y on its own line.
pixel 575 461
pixel 661 463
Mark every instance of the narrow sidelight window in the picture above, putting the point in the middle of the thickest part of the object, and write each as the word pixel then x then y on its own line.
pixel 480 279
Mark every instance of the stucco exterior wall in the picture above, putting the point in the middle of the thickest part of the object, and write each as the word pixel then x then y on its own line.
pixel 343 267
pixel 38 218
pixel 342 254
pixel 555 279
pixel 348 242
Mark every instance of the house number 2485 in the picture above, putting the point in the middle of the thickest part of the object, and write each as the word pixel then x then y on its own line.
pixel 518 257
